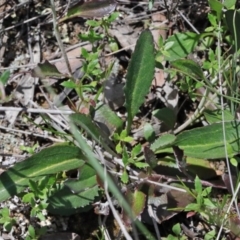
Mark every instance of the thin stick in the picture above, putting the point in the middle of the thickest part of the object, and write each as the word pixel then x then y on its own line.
pixel 45 136
pixel 34 110
pixel 59 38
pixel 114 212
pixel 24 22
pixel 188 22
pixel 150 211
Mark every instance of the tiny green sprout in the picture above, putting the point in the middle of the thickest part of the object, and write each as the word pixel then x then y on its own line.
pixel 91 36
pixel 91 67
pixel 4 77
pixel 34 234
pixel 31 233
pixel 176 229
pixel 38 194
pixel 210 235
pixel 234 161
pixel 189 85
pixel 99 234
pixel 204 205
pixel 6 220
pixel 30 150
pixel 129 158
pixel 150 4
pixel 121 138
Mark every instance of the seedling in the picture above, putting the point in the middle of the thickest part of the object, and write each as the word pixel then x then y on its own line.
pixel 203 202
pixel 6 219
pixel 30 150
pixel 177 233
pixel 38 194
pixel 34 234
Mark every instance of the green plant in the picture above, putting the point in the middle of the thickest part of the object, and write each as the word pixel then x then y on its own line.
pixel 92 36
pixel 132 159
pixel 210 235
pixel 204 204
pixel 30 150
pixel 139 76
pixel 177 233
pixel 4 77
pixel 39 192
pixel 66 195
pixel 34 234
pixel 212 210
pixel 6 219
pixel 91 65
pixel 100 234
pixel 121 138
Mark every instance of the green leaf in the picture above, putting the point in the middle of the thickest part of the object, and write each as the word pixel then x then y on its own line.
pixel 176 229
pixel 119 148
pixel 139 75
pixel 128 139
pixel 192 207
pixel 124 177
pixel 8 226
pixel 150 4
pixel 27 198
pixel 85 53
pixel 148 132
pixel 166 115
pixel 136 201
pixel 125 157
pixel 123 134
pixel 31 231
pixel 4 77
pixel 198 185
pixel 87 179
pixel 181 45
pixel 69 84
pixel 65 203
pixel 189 68
pixel 210 235
pixel 216 7
pixel 233 24
pixel 163 141
pixel 234 162
pixel 216 116
pixel 141 164
pixel 208 203
pixel 93 23
pixel 46 69
pixel 92 130
pixel 33 186
pixel 206 191
pixel 200 167
pixel 105 115
pixel 83 191
pixel 208 143
pixel 113 17
pixel 94 8
pixel 5 212
pixel 171 237
pixel 213 21
pixel 49 161
pixel 229 3
pixel 136 150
